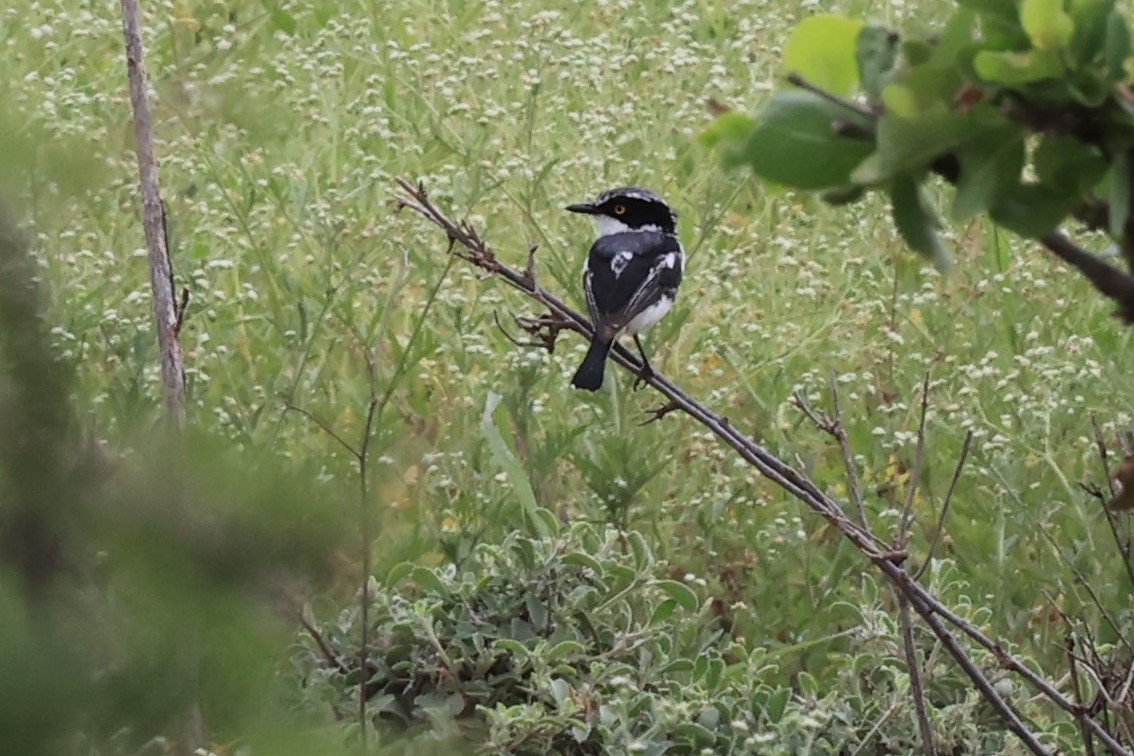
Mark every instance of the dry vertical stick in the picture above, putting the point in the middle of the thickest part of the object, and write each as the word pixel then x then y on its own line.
pixel 166 316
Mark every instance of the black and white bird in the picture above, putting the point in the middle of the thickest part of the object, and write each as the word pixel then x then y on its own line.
pixel 631 275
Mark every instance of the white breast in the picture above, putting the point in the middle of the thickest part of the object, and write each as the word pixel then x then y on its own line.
pixel 649 316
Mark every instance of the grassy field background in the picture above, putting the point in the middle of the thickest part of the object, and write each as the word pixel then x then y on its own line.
pixel 280 128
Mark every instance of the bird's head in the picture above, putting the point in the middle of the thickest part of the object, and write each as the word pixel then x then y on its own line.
pixel 628 208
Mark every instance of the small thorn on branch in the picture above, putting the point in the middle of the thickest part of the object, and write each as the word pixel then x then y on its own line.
pixel 543 329
pixel 529 268
pixel 896 556
pixel 179 311
pixel 1092 489
pixel 820 420
pixel 657 413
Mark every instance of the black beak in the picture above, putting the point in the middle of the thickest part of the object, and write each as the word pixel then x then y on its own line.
pixel 586 208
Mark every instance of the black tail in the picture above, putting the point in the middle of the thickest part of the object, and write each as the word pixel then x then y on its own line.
pixel 589 374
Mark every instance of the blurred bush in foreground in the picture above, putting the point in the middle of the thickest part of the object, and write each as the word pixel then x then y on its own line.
pixel 137 587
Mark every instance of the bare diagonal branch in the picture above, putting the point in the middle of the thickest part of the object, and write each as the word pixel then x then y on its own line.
pixel 933 613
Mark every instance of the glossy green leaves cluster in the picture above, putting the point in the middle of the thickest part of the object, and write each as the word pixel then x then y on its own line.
pixel 1022 106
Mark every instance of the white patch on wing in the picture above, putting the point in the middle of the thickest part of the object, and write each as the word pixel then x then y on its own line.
pixel 649 316
pixel 619 262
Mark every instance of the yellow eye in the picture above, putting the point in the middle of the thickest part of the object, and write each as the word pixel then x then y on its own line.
pixel 620 209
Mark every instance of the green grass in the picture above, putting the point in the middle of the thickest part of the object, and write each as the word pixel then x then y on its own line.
pixel 280 129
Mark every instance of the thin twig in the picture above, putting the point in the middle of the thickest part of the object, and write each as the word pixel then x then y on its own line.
pixel 840 432
pixel 1123 544
pixel 912 665
pixel 1076 686
pixel 329 654
pixel 1081 579
pixel 853 107
pixel 945 504
pixel 915 474
pixel 367 544
pixel 323 426
pixel 914 669
pixel 833 426
pixel 928 607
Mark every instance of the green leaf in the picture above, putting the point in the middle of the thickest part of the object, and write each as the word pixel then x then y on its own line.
pixel 928 89
pixel 1068 165
pixel 1090 19
pixel 398 573
pixel 808 685
pixel 563 649
pixel 560 691
pixel 916 52
pixel 907 145
pixel 1013 68
pixel 956 35
pixel 990 162
pixel 1046 23
pixel 916 219
pixel 680 593
pixel 1119 198
pixel 663 611
pixel 678 666
pixel 875 52
pixel 728 134
pixel 1030 210
pixel 427 580
pixel 999 23
pixel 582 559
pixel 822 50
pixel 512 646
pixel 900 101
pixel 511 466
pixel 713 673
pixel 777 703
pixel 794 143
pixel 1117 48
pixel 1088 87
pixel 537 612
pixel 643 559
pixel 693 735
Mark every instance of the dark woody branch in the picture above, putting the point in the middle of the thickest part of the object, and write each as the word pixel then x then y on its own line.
pixel 466 244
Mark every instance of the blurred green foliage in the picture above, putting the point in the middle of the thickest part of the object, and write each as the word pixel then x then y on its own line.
pixel 962 101
pixel 135 589
pixel 579 643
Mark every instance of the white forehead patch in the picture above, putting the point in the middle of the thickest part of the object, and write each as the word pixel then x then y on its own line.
pixel 607 225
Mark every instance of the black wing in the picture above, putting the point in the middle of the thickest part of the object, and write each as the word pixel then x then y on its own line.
pixel 628 272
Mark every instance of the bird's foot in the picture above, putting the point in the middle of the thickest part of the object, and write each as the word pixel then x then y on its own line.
pixel 644 376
